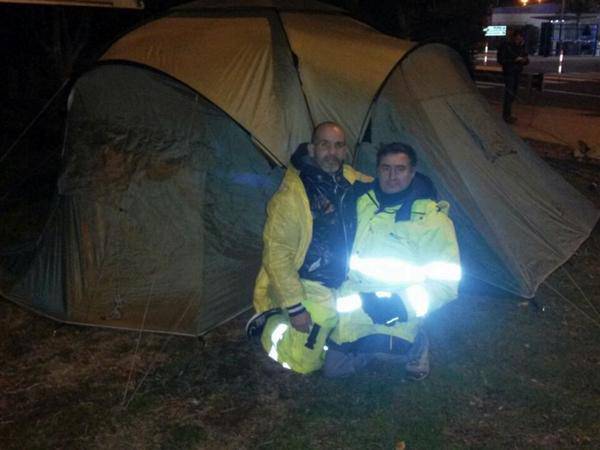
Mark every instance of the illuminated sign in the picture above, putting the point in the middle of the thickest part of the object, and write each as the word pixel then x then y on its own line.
pixel 495 30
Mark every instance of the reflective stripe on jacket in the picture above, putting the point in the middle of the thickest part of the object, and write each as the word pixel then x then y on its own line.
pixel 286 237
pixel 427 240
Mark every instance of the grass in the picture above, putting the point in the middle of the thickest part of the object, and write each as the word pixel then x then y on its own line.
pixel 505 375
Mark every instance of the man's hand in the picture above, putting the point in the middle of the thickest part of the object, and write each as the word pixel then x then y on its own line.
pixel 301 322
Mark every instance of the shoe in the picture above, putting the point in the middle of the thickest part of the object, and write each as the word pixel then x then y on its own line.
pixel 417 367
pixel 255 325
pixel 510 120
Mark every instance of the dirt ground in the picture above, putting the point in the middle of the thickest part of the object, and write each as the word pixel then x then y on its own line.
pixel 507 373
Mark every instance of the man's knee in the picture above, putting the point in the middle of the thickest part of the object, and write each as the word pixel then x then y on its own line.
pixel 300 352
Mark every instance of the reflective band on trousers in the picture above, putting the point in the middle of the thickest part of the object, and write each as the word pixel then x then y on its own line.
pixel 383 294
pixel 418 297
pixel 393 270
pixel 348 303
pixel 276 336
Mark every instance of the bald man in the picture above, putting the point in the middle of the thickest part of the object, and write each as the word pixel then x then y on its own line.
pixel 307 240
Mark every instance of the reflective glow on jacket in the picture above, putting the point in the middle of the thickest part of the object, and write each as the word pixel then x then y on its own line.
pixel 417 259
pixel 390 255
pixel 348 303
pixel 397 271
pixel 418 299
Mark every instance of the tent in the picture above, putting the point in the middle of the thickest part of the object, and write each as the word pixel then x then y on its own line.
pixel 177 138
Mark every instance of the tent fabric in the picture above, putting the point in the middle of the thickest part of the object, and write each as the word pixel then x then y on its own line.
pixel 504 195
pixel 162 204
pixel 175 143
pixel 338 85
pixel 241 64
pixel 241 5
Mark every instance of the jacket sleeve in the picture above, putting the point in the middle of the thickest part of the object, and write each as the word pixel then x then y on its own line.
pixel 439 252
pixel 523 54
pixel 282 238
pixel 501 54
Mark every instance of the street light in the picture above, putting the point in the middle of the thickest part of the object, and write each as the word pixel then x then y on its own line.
pixel 562 19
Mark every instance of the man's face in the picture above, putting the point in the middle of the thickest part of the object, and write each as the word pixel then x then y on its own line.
pixel 519 39
pixel 395 173
pixel 329 148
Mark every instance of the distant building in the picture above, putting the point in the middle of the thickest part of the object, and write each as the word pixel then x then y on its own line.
pixel 548 30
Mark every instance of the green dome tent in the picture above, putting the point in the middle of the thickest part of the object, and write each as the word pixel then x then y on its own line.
pixel 176 140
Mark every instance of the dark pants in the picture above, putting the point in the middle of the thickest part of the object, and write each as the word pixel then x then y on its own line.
pixel 511 85
pixel 342 360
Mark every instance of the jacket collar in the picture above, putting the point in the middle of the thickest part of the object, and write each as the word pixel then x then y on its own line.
pixel 420 188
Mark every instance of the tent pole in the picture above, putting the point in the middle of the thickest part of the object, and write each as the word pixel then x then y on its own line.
pixel 295 65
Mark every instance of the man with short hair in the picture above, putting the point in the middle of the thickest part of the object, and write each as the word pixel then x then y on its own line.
pixel 512 56
pixel 404 264
pixel 306 248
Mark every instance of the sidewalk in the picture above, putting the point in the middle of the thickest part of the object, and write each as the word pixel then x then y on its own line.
pixel 546 117
pixel 570 127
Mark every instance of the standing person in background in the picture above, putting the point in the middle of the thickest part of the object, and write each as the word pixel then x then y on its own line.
pixel 512 56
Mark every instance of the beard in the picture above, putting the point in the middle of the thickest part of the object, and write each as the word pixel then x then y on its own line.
pixel 330 164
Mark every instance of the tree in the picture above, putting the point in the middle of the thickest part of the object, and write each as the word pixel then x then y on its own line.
pixel 580 7
pixel 457 23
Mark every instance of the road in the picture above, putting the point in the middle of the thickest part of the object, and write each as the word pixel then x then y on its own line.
pixel 551 64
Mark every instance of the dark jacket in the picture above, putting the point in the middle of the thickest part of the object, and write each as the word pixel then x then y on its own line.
pixel 331 204
pixel 507 55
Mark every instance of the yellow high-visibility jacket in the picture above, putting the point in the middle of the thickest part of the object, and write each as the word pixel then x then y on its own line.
pixel 286 238
pixel 428 239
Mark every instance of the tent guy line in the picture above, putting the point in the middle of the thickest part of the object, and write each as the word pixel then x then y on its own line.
pixel 586 298
pixel 34 120
pixel 573 304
